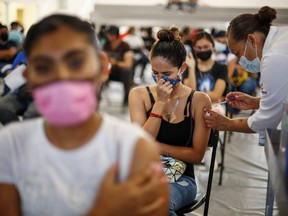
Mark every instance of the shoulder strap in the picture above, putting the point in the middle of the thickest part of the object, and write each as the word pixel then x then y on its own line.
pixel 189 104
pixel 152 100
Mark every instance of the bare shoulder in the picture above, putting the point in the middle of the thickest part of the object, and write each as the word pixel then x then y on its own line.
pixel 139 90
pixel 201 98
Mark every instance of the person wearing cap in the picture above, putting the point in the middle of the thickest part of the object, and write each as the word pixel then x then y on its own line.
pixel 121 59
pixel 261 48
pixel 8 48
pixel 15 33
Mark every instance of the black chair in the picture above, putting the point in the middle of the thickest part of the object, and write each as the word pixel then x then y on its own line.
pixel 205 197
pixel 222 148
pixel 223 141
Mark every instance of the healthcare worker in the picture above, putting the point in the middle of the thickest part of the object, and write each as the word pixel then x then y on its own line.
pixel 260 48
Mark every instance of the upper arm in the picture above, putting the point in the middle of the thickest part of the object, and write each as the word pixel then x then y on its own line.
pixel 146 152
pixel 9 197
pixel 201 132
pixel 128 57
pixel 137 106
pixel 9 200
pixel 219 88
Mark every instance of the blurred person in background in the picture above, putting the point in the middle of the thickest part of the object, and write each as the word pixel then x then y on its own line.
pixel 17 100
pixel 148 38
pixel 121 59
pixel 15 33
pixel 186 35
pixel 205 74
pixel 8 48
pixel 137 45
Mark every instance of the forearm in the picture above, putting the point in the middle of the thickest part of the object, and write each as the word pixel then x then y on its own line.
pixel 152 125
pixel 7 54
pixel 186 154
pixel 214 96
pixel 124 64
pixel 239 125
pixel 257 102
pixel 97 210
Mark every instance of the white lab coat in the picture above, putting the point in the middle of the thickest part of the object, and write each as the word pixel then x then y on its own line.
pixel 274 81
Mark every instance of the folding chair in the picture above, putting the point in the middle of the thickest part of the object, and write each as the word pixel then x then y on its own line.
pixel 205 197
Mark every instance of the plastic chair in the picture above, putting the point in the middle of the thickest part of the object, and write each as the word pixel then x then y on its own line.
pixel 205 197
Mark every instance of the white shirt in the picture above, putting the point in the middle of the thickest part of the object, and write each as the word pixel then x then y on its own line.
pixel 274 81
pixel 52 181
pixel 135 42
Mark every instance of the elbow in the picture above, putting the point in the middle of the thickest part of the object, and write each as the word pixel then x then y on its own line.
pixel 198 159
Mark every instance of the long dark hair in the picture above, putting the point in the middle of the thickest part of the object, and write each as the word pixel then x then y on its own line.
pixel 205 35
pixel 245 24
pixel 169 46
pixel 53 23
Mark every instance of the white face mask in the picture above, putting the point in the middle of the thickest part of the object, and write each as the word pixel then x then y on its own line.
pixel 219 47
pixel 251 66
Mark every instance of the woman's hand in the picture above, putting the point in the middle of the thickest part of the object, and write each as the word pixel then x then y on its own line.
pixel 190 61
pixel 215 120
pixel 242 101
pixel 163 90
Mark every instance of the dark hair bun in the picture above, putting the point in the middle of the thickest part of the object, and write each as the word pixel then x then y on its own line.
pixel 266 15
pixel 172 34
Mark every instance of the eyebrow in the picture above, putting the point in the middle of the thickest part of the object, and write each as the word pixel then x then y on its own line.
pixel 162 72
pixel 65 56
pixel 74 52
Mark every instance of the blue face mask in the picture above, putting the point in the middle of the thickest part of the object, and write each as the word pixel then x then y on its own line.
pixel 219 47
pixel 174 82
pixel 250 66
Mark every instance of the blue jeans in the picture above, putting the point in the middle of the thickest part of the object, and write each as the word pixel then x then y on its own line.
pixel 182 193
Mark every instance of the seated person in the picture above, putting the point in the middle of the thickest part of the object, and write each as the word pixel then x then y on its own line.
pixel 55 165
pixel 208 75
pixel 242 81
pixel 173 113
pixel 137 45
pixel 8 48
pixel 19 101
pixel 15 33
pixel 121 59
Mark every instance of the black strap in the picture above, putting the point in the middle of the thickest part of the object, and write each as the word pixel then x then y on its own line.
pixel 189 104
pixel 152 100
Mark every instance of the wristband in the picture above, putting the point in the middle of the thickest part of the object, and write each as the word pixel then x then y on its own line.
pixel 155 115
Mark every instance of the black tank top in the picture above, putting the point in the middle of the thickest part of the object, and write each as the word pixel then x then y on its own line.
pixel 177 134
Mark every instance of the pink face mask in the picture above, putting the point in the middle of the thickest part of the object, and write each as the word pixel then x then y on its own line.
pixel 66 103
